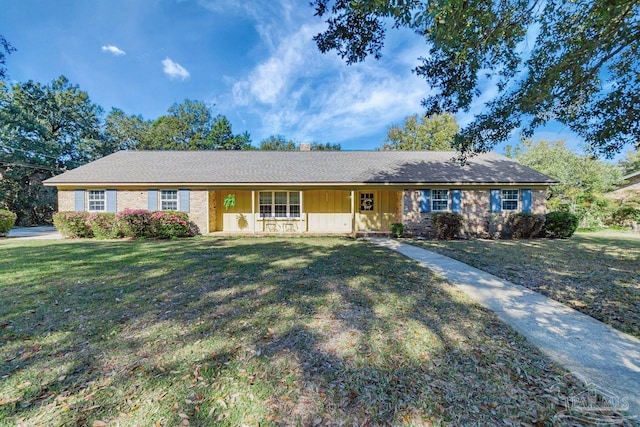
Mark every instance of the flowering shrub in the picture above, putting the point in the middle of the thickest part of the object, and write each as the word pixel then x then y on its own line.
pixel 169 224
pixel 7 220
pixel 72 224
pixel 103 225
pixel 134 223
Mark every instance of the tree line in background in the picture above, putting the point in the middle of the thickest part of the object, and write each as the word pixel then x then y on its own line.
pixel 46 129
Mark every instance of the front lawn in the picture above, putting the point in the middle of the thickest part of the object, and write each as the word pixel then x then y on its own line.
pixel 309 331
pixel 595 273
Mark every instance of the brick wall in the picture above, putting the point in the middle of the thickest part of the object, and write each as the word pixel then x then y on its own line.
pixel 198 209
pixel 66 200
pixel 475 210
pixel 131 199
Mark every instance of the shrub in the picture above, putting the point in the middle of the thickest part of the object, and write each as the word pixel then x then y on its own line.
pixel 526 225
pixel 7 221
pixel 560 224
pixel 134 223
pixel 72 224
pixel 397 229
pixel 103 225
pixel 194 230
pixel 446 225
pixel 624 216
pixel 169 224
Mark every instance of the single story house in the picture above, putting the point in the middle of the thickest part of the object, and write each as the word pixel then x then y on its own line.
pixel 320 192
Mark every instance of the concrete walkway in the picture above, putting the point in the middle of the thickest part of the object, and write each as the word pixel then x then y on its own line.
pixel 35 233
pixel 605 358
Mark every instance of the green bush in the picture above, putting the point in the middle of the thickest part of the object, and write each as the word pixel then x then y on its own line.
pixel 194 230
pixel 7 221
pixel 134 223
pixel 446 225
pixel 560 224
pixel 169 224
pixel 526 225
pixel 103 225
pixel 624 216
pixel 72 224
pixel 397 229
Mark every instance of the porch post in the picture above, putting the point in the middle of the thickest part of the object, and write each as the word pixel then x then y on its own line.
pixel 353 211
pixel 253 211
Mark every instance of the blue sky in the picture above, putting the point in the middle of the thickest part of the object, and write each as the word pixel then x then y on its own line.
pixel 255 60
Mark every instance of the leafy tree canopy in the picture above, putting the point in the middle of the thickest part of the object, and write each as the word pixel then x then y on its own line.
pixel 44 129
pixel 188 126
pixel 222 137
pixel 5 49
pixel 277 143
pixel 582 179
pixel 571 61
pixel 123 131
pixel 631 163
pixel 280 143
pixel 426 133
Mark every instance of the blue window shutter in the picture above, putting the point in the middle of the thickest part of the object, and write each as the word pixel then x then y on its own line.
pixel 111 200
pixel 496 205
pixel 526 200
pixel 79 200
pixel 183 195
pixel 152 200
pixel 425 201
pixel 456 201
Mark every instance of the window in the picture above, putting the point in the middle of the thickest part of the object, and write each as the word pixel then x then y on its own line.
pixel 439 200
pixel 169 200
pixel 97 200
pixel 509 200
pixel 366 201
pixel 279 204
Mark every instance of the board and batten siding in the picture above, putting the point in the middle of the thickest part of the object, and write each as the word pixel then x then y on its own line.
pixel 384 211
pixel 328 211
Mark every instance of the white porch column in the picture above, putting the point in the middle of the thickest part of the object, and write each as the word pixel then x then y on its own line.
pixel 253 212
pixel 353 211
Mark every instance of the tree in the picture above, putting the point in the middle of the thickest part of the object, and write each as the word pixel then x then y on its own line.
pixel 278 143
pixel 631 162
pixel 191 126
pixel 581 69
pixel 317 146
pixel 123 132
pixel 221 136
pixel 582 179
pixel 5 49
pixel 428 133
pixel 44 130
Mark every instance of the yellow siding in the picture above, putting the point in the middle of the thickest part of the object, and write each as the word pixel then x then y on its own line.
pixel 384 211
pixel 328 211
pixel 236 219
pixel 212 212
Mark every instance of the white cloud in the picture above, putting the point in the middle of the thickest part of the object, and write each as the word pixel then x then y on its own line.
pixel 299 92
pixel 174 70
pixel 113 49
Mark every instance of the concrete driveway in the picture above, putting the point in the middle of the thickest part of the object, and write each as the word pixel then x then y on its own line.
pixel 35 233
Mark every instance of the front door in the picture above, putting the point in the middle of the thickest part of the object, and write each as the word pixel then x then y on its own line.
pixel 367 217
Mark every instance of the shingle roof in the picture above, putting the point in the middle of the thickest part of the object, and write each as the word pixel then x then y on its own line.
pixel 312 167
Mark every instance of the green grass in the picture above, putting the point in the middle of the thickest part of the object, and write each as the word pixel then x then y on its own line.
pixel 595 273
pixel 254 332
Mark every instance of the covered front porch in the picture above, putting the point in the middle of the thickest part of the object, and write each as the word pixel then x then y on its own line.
pixel 304 211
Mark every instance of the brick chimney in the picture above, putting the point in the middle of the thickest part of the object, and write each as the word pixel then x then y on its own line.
pixel 305 146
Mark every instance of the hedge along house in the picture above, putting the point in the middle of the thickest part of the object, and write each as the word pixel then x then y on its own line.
pixel 330 192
